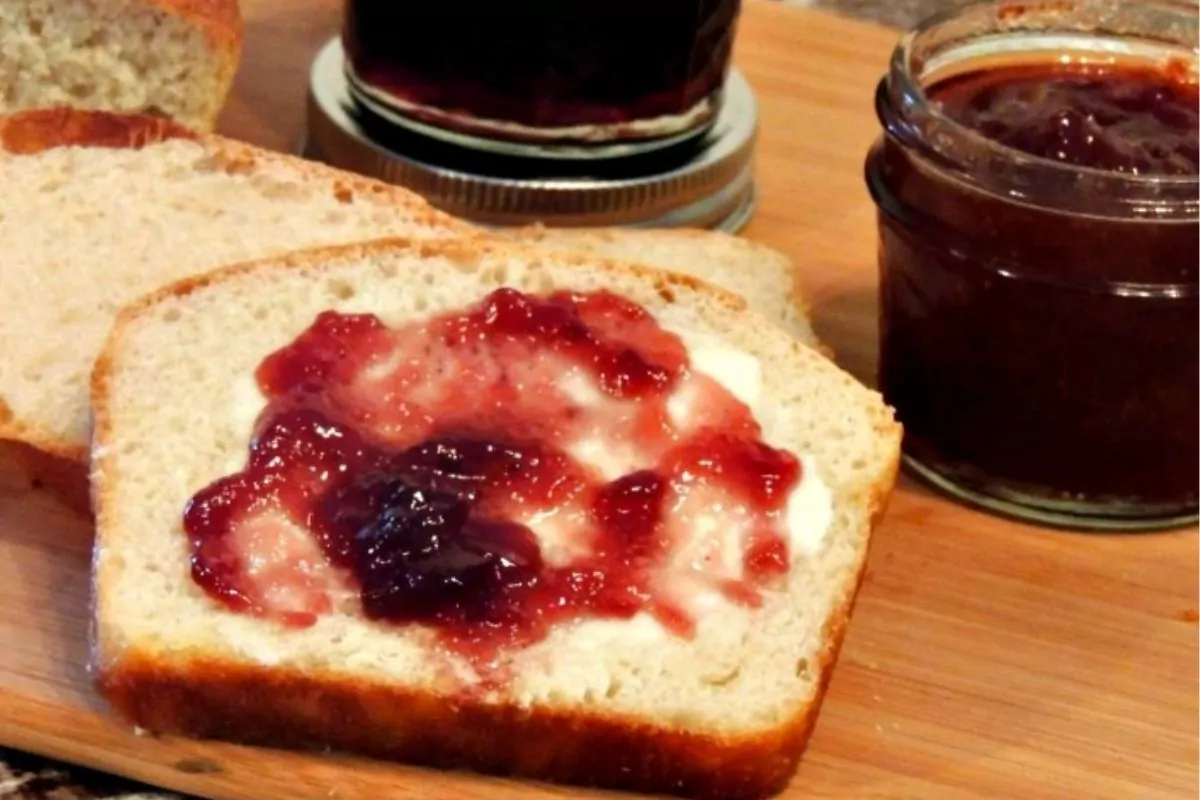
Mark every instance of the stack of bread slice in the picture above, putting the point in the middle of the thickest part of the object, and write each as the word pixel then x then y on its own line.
pixel 149 270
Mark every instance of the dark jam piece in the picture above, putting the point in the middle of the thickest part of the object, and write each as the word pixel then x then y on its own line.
pixel 1014 365
pixel 421 554
pixel 1136 121
pixel 396 473
pixel 544 64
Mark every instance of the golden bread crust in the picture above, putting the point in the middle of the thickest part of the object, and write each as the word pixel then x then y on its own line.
pixel 32 132
pixel 285 708
pixel 220 19
pixel 221 22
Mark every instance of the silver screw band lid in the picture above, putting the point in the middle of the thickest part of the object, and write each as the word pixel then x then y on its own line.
pixel 704 182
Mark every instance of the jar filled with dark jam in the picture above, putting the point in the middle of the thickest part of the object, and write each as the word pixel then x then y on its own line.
pixel 1037 187
pixel 544 70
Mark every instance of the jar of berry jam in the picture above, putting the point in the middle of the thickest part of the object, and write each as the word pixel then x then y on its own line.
pixel 543 70
pixel 1037 190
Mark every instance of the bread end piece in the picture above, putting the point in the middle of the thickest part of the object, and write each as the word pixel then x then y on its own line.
pixel 175 58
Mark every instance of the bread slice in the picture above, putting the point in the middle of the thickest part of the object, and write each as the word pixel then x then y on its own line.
pixel 100 209
pixel 724 714
pixel 171 57
pixel 766 278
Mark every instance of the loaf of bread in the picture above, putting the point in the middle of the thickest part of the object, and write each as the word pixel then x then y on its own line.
pixel 174 58
pixel 766 278
pixel 723 713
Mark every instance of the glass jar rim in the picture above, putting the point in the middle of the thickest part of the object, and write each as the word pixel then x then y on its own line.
pixel 906 90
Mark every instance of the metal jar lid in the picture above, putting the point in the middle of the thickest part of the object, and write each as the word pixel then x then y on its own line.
pixel 706 182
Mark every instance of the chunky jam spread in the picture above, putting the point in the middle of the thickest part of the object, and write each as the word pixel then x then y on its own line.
pixel 544 64
pixel 1140 121
pixel 493 472
pixel 1045 348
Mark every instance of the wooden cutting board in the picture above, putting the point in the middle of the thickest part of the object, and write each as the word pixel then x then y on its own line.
pixel 985 659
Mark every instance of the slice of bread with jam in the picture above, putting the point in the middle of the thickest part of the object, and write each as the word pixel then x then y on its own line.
pixel 284 606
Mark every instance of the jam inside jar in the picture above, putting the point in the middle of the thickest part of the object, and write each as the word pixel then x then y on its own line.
pixel 1039 248
pixel 544 70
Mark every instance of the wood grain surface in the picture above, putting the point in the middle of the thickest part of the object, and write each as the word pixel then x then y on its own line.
pixel 986 659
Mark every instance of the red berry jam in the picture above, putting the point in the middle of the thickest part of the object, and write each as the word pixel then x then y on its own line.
pixel 544 65
pixel 1135 120
pixel 1038 315
pixel 446 473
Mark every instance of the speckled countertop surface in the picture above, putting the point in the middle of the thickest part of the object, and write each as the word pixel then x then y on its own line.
pixel 27 777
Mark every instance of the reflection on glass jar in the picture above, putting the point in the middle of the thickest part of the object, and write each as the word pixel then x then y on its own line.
pixel 584 70
pixel 1039 249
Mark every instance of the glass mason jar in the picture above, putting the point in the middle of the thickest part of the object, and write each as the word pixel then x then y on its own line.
pixel 544 70
pixel 1038 320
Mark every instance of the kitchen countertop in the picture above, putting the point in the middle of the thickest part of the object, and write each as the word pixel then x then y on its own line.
pixel 28 777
